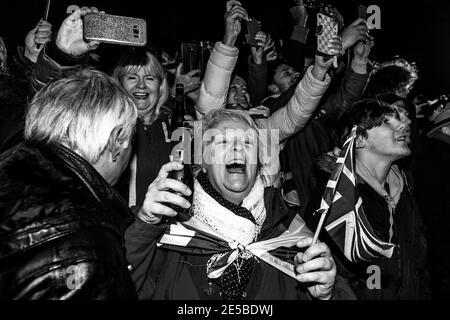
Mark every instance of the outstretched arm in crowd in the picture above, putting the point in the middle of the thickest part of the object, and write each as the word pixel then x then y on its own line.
pixel 257 69
pixel 294 116
pixel 221 63
pixel 66 54
pixel 356 76
pixel 295 46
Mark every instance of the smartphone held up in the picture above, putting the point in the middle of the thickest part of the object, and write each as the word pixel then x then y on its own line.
pixel 115 29
pixel 253 27
pixel 327 28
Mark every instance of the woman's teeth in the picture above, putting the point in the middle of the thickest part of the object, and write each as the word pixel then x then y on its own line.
pixel 143 96
pixel 235 167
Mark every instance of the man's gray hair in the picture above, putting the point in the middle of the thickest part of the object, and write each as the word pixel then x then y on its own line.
pixel 80 112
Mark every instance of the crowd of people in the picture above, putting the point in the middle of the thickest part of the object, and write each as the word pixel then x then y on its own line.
pixel 89 208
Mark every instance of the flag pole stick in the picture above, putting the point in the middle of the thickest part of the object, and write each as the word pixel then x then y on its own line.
pixel 47 9
pixel 319 227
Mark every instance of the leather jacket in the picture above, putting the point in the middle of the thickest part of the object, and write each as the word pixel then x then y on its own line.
pixel 61 228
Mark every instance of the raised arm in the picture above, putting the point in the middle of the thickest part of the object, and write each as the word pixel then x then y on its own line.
pixel 62 56
pixel 295 47
pixel 355 79
pixel 294 116
pixel 257 69
pixel 221 63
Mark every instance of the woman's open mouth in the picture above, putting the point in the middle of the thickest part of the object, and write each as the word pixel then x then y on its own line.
pixel 236 167
pixel 141 95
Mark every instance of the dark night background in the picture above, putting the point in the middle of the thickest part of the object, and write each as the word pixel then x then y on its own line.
pixel 417 31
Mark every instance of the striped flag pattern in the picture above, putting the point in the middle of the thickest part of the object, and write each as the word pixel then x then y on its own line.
pixel 346 221
pixel 279 251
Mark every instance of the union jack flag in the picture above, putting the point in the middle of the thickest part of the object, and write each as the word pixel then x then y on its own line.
pixel 342 211
pixel 278 250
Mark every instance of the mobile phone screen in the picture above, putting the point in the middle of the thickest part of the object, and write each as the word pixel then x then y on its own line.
pixel 253 27
pixel 362 12
pixel 194 56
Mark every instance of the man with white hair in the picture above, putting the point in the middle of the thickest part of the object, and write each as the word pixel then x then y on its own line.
pixel 61 223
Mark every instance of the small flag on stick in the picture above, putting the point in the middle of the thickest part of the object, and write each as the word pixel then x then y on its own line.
pixel 343 215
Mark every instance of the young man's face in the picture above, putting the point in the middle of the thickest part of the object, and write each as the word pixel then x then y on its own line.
pixel 389 141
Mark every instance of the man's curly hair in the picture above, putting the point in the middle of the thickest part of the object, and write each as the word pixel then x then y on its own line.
pixel 395 76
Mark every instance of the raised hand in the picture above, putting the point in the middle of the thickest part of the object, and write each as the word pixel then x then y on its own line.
pixel 258 52
pixel 299 14
pixel 235 13
pixel 191 80
pixel 355 32
pixel 36 39
pixel 270 50
pixel 316 268
pixel 322 62
pixel 70 35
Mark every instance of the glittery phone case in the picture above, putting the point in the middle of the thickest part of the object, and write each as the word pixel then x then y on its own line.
pixel 115 29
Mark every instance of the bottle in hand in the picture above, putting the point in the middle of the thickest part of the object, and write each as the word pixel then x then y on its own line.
pixel 179 152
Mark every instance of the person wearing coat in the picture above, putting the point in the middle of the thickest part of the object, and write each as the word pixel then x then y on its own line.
pixel 219 89
pixel 217 246
pixel 61 222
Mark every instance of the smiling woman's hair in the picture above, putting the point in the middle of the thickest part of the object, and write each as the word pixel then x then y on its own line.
pixel 217 116
pixel 214 118
pixel 365 114
pixel 136 58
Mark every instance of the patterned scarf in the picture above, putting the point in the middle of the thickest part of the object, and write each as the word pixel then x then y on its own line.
pixel 239 223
